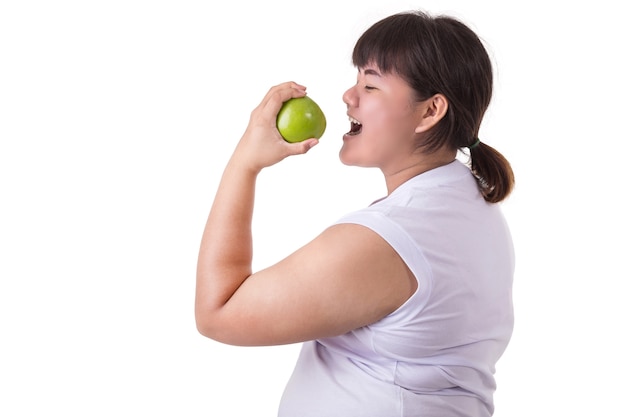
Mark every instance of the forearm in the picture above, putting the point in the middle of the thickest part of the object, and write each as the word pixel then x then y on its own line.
pixel 225 257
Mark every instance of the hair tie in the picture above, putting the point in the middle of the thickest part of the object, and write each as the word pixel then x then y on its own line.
pixel 473 145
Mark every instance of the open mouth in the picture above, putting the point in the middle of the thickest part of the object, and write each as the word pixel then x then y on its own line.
pixel 355 126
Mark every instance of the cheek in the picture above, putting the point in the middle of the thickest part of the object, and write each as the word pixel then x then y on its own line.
pixel 387 130
pixel 375 114
pixel 388 118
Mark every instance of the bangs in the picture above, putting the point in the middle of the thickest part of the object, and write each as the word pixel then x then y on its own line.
pixel 396 45
pixel 383 45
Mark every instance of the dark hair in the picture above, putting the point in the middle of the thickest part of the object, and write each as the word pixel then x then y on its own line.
pixel 440 55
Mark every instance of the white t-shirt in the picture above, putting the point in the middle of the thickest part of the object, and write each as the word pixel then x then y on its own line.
pixel 436 354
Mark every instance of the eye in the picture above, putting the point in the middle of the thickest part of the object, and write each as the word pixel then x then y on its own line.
pixel 369 88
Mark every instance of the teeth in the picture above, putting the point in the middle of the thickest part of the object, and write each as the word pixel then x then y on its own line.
pixel 353 120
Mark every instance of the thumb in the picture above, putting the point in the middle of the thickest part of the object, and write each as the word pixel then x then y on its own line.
pixel 303 147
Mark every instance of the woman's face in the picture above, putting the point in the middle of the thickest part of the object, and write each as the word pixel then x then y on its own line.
pixel 383 115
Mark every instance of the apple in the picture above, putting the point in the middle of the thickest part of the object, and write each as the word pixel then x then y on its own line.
pixel 300 119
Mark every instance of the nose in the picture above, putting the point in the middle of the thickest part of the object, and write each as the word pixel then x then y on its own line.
pixel 349 97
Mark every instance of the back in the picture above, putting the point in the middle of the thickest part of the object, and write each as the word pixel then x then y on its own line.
pixel 436 354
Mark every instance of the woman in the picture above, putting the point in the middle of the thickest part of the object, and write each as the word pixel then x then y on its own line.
pixel 404 307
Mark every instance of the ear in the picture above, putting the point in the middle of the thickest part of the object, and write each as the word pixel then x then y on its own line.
pixel 432 110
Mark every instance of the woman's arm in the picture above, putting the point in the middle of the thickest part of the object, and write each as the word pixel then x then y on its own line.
pixel 345 278
pixel 225 255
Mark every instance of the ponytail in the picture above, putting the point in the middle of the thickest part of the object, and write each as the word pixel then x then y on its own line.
pixel 492 171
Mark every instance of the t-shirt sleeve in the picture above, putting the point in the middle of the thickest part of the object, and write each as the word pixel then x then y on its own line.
pixel 398 238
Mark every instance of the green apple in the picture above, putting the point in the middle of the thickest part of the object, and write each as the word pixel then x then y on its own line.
pixel 300 119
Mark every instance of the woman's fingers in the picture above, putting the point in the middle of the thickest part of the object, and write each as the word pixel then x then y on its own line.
pixel 277 95
pixel 300 148
pixel 262 145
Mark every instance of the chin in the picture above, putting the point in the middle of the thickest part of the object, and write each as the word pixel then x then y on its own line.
pixel 351 158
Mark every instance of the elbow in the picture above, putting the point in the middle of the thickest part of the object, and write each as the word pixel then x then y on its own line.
pixel 207 331
pixel 205 323
pixel 207 315
pixel 202 328
pixel 208 324
pixel 213 332
pixel 216 326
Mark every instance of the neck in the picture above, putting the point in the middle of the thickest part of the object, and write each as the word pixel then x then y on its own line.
pixel 417 165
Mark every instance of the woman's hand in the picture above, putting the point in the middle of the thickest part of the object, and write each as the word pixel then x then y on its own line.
pixel 261 144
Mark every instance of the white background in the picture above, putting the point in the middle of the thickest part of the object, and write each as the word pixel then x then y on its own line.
pixel 117 117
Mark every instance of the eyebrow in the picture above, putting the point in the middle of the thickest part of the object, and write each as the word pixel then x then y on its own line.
pixel 370 71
